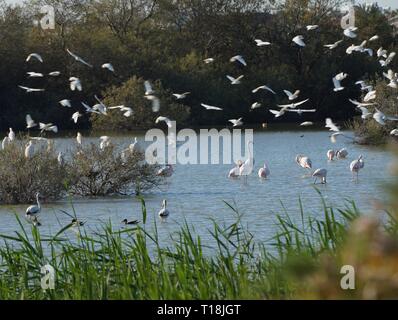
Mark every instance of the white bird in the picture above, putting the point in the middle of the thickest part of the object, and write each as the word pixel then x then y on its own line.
pixel 235 80
pixel 104 142
pixel 303 161
pixel 208 60
pixel 166 171
pixel 264 87
pixel 337 85
pixel 29 150
pixel 28 90
pixel 365 113
pixel 246 168
pixel 364 86
pixel 36 56
pixel 164 213
pixel 5 142
pixel 75 84
pixel 48 127
pixel 374 38
pixel 342 153
pixel 208 107
pixel 389 59
pixel 148 88
pixel 350 32
pixel 292 105
pixel 264 172
pixel 89 109
pixel 35 75
pixel 180 96
pixel 279 113
pixel 79 138
pixel 320 174
pixel 255 105
pixel 301 111
pixel 108 66
pixel 78 59
pixel 357 165
pixel 236 122
pixel 34 210
pixel 234 172
pixel 76 116
pixel 155 102
pixel 299 40
pixel 331 125
pixel 292 96
pixel 394 132
pixel 306 124
pixel 127 111
pixel 240 59
pixel 312 27
pixel 135 146
pixel 331 154
pixel 165 120
pixel 361 104
pixel 54 73
pixel 65 103
pixel 333 45
pixel 371 95
pixel 261 43
pixel 380 117
pixel 382 53
pixel 341 76
pixel 60 158
pixel 11 135
pixel 29 122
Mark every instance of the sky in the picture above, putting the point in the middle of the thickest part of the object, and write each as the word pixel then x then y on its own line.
pixel 383 3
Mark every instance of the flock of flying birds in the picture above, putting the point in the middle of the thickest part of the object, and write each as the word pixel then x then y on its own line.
pixel 242 168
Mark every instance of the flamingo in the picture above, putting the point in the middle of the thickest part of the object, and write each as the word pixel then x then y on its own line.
pixel 304 161
pixel 164 213
pixel 342 153
pixel 320 174
pixel 357 165
pixel 234 172
pixel 264 172
pixel 34 210
pixel 331 154
pixel 11 135
pixel 246 168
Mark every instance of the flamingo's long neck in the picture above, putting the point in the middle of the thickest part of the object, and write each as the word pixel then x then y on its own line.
pixel 38 203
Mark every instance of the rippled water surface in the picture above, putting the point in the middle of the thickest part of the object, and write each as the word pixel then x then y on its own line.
pixel 196 193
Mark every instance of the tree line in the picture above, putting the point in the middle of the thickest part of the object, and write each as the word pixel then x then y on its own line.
pixel 166 41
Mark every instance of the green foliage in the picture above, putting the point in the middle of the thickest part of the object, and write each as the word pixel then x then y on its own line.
pixel 166 41
pixel 131 95
pixel 21 178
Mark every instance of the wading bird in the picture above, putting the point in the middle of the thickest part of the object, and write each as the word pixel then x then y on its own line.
pixel 303 161
pixel 320 174
pixel 331 154
pixel 357 165
pixel 34 210
pixel 164 213
pixel 264 172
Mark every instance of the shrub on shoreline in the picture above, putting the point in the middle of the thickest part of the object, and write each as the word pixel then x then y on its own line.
pixel 100 172
pixel 22 177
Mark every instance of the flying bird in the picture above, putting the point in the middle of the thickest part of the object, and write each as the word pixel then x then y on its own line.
pixel 180 96
pixel 235 80
pixel 108 66
pixel 28 90
pixel 165 120
pixel 264 87
pixel 78 59
pixel 36 56
pixel 240 59
pixel 208 107
pixel 299 40
pixel 65 103
pixel 292 96
pixel 261 43
pixel 236 122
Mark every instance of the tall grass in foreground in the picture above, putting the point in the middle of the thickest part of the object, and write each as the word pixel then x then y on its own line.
pixel 133 264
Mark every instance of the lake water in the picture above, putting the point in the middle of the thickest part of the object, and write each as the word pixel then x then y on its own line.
pixel 196 193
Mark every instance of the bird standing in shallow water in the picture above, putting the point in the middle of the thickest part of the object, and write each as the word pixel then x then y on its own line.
pixel 164 213
pixel 34 210
pixel 320 174
pixel 331 154
pixel 357 165
pixel 264 172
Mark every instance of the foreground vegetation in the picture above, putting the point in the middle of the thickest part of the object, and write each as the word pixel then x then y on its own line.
pixel 302 260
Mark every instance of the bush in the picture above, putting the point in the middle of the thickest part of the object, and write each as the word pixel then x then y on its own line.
pixel 99 172
pixel 21 178
pixel 131 94
pixel 371 132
